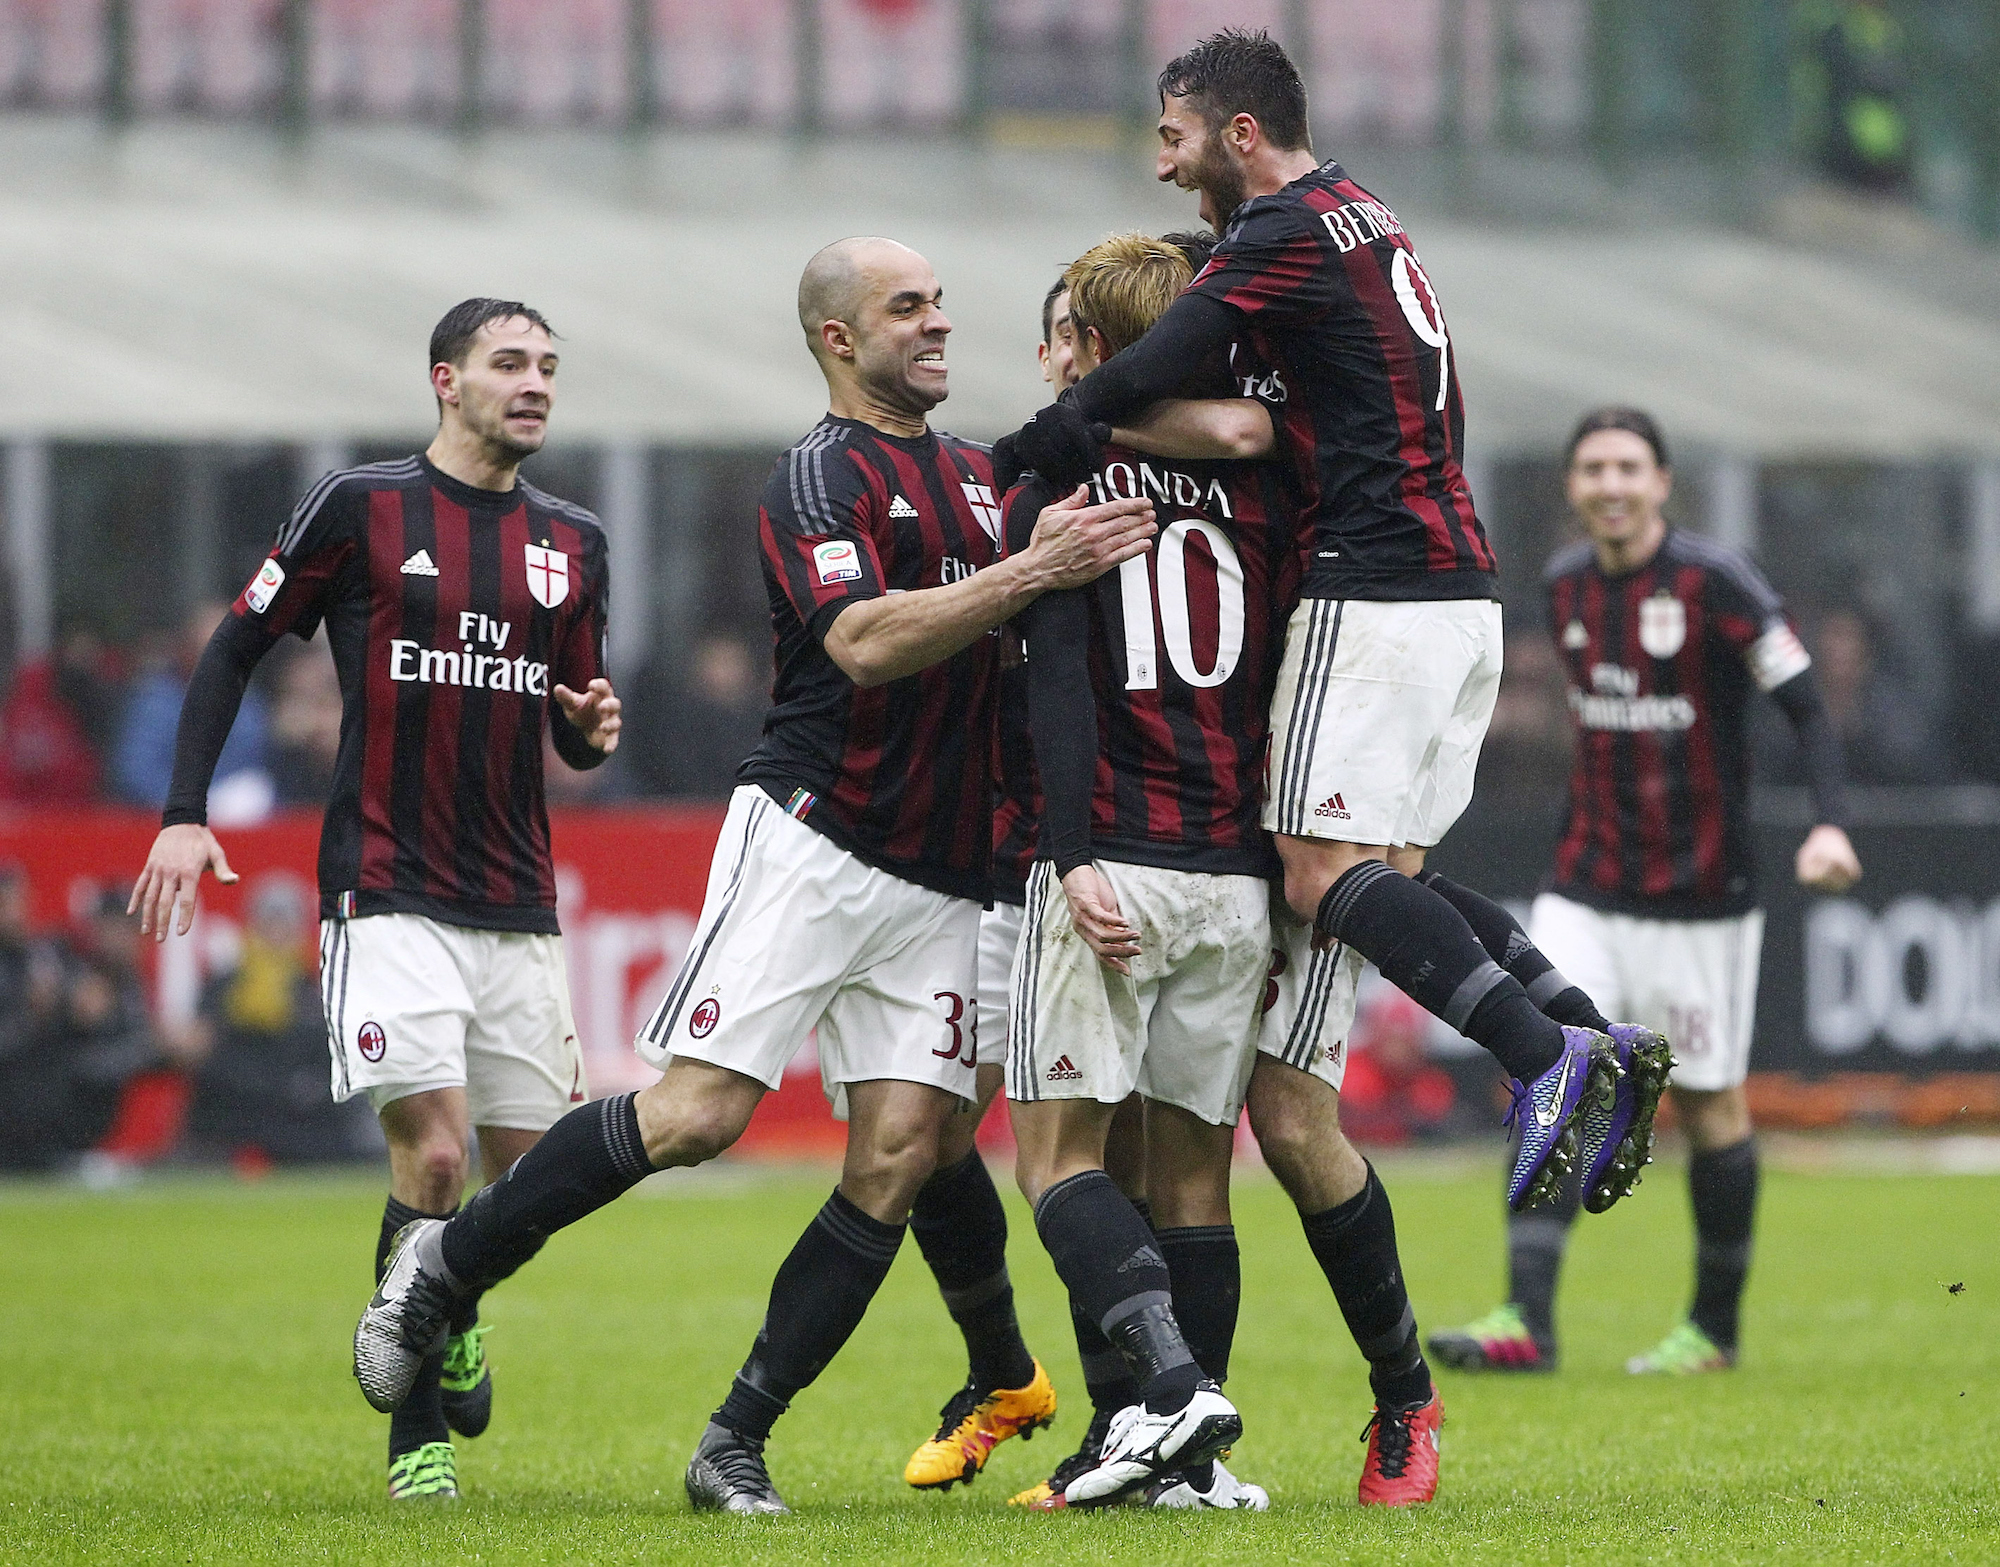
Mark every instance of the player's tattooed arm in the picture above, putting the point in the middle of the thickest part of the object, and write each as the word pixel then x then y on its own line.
pixel 877 640
pixel 1228 428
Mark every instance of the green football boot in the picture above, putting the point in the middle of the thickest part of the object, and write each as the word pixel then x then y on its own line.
pixel 1685 1352
pixel 466 1385
pixel 429 1474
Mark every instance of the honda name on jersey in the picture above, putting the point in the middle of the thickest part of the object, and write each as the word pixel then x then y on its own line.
pixel 1120 481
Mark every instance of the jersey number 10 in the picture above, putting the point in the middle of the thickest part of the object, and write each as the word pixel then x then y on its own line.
pixel 1166 565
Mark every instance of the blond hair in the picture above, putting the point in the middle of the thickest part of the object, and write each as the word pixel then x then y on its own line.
pixel 1122 286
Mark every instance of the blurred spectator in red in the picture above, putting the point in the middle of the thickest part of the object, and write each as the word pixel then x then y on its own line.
pixel 305 723
pixel 261 1089
pixel 54 723
pixel 1392 1093
pixel 143 759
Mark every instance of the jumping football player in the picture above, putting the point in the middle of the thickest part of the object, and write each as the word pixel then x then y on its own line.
pixel 1666 637
pixel 1393 658
pixel 846 888
pixel 465 609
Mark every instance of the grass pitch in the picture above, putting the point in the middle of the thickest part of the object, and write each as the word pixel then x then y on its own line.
pixel 175 1388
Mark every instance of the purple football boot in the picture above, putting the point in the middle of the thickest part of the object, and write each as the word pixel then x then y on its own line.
pixel 1616 1135
pixel 1547 1110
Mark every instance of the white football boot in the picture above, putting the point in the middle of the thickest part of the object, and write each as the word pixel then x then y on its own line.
pixel 408 1318
pixel 1141 1445
pixel 1224 1491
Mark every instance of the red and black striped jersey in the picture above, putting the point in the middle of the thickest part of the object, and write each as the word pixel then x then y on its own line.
pixel 1183 650
pixel 1662 664
pixel 900 775
pixel 1333 297
pixel 1017 798
pixel 451 613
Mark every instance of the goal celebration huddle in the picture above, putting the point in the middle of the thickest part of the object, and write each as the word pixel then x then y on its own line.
pixel 1098 764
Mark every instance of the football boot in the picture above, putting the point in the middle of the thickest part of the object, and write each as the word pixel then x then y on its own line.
pixel 1222 1490
pixel 1047 1496
pixel 465 1386
pixel 1401 1469
pixel 1685 1352
pixel 408 1318
pixel 727 1475
pixel 1546 1111
pixel 1498 1341
pixel 1617 1137
pixel 424 1474
pixel 973 1423
pixel 1141 1445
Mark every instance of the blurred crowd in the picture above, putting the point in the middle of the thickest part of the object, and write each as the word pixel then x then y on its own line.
pixel 90 1079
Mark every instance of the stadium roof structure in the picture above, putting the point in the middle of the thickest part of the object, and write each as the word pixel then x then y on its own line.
pixel 202 283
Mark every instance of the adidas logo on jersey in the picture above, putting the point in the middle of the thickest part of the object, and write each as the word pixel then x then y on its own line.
pixel 419 565
pixel 1064 1071
pixel 1334 807
pixel 901 508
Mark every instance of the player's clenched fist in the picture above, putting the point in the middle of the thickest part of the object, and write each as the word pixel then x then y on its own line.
pixel 1075 542
pixel 1827 861
pixel 594 711
pixel 1093 910
pixel 166 886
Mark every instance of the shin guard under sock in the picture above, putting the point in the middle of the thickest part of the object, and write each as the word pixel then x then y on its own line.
pixel 817 1301
pixel 1106 1256
pixel 1722 1186
pixel 1207 1274
pixel 960 1226
pixel 419 1419
pixel 1355 1245
pixel 590 1157
pixel 1508 945
pixel 1424 946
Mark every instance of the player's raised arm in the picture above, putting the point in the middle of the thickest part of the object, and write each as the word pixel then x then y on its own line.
pixel 877 640
pixel 1221 428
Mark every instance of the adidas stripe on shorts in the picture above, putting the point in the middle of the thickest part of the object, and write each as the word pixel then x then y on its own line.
pixel 796 934
pixel 1378 717
pixel 1181 1028
pixel 413 1004
pixel 1308 1005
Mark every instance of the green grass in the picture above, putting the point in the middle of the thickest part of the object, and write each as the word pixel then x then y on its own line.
pixel 174 1387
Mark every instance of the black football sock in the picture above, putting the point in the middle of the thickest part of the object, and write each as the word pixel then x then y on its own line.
pixel 1723 1187
pixel 419 1419
pixel 1536 1241
pixel 960 1226
pixel 1355 1244
pixel 817 1300
pixel 1508 945
pixel 1423 946
pixel 591 1156
pixel 1106 1256
pixel 1207 1274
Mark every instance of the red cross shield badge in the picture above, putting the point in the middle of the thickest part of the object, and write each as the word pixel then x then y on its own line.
pixel 548 576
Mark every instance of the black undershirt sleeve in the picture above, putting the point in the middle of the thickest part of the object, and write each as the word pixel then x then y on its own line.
pixel 214 693
pixel 1156 366
pixel 569 741
pixel 1826 771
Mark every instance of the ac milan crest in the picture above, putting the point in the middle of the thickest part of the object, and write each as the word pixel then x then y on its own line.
pixel 373 1043
pixel 548 576
pixel 1663 625
pixel 701 1023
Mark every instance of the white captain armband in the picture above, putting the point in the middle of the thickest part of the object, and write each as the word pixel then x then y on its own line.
pixel 1777 656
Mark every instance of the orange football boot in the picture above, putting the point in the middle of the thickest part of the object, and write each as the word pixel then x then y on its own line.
pixel 972 1425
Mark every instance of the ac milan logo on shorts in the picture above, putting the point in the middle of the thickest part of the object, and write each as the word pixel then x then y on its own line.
pixel 372 1042
pixel 702 1023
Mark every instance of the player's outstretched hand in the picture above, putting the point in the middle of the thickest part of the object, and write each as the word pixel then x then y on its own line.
pixel 1061 445
pixel 165 890
pixel 1075 542
pixel 595 712
pixel 1827 861
pixel 1093 910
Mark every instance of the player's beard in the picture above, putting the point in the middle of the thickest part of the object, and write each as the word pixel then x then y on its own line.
pixel 1221 181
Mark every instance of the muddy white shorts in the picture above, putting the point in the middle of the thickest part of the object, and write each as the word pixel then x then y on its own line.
pixel 1308 999
pixel 797 934
pixel 1693 981
pixel 414 1004
pixel 999 935
pixel 1378 717
pixel 1181 1028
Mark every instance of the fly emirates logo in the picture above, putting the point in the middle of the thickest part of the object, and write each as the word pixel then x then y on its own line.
pixel 481 663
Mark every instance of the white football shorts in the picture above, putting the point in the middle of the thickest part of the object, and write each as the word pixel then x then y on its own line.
pixel 1692 981
pixel 1378 717
pixel 999 935
pixel 414 1004
pixel 1308 999
pixel 1181 1028
pixel 796 934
